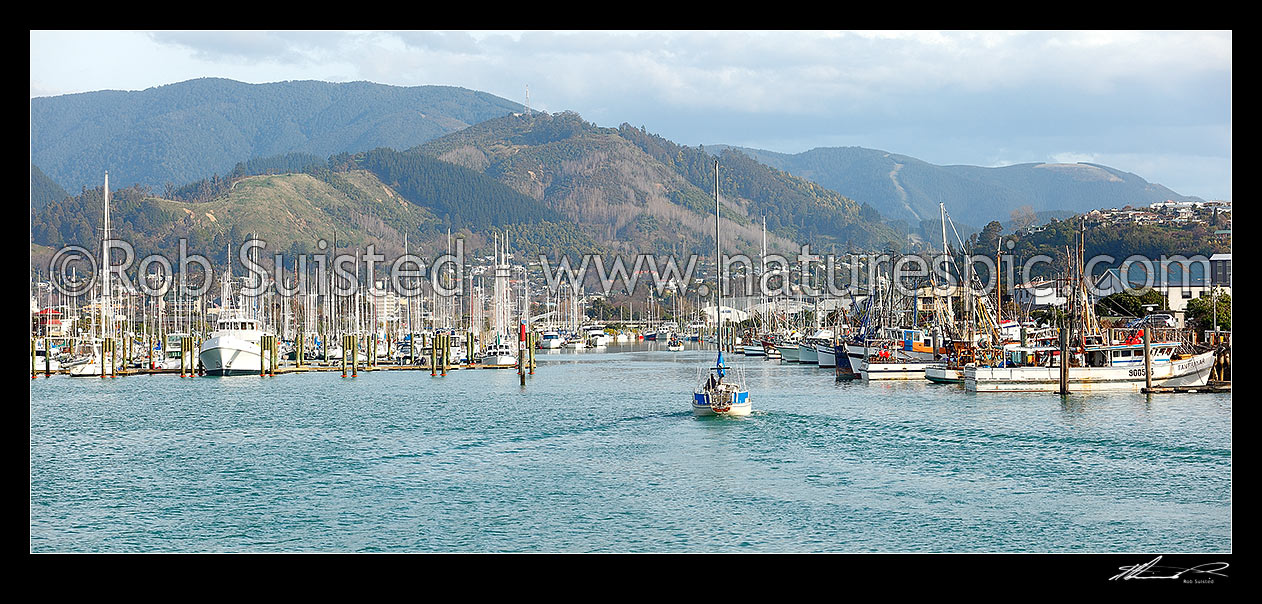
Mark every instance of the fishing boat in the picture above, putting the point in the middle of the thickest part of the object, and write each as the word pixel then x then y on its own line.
pixel 788 347
pixel 551 340
pixel 597 338
pixel 825 354
pixel 878 367
pixel 500 353
pixel 1093 368
pixel 942 373
pixel 808 347
pixel 769 348
pixel 44 360
pixel 233 348
pixel 753 347
pixel 717 393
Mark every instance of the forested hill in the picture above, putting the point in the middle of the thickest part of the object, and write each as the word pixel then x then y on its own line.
pixel 179 133
pixel 633 191
pixel 908 189
pixel 44 190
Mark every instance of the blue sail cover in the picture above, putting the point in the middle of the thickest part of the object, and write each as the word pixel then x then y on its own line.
pixel 719 365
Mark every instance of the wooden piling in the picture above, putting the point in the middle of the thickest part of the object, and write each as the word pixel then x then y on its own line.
pixel 1064 360
pixel 444 357
pixel 1147 357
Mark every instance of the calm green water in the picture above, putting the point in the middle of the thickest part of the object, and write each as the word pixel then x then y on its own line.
pixel 600 452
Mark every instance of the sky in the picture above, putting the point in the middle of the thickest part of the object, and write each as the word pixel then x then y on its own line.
pixel 1154 103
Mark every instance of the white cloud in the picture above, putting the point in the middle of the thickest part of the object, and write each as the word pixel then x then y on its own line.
pixel 965 94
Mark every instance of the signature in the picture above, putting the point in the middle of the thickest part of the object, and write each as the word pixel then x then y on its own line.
pixel 1149 570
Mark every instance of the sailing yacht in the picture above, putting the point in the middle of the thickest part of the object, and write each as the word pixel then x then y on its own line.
pixel 500 351
pixel 718 393
pixel 97 365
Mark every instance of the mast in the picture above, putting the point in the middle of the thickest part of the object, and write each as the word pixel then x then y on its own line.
pixel 106 313
pixel 718 263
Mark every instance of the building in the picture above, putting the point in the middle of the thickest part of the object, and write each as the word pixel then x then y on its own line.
pixel 1040 293
pixel 1220 269
pixel 1177 282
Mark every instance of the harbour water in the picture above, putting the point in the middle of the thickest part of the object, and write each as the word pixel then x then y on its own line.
pixel 601 453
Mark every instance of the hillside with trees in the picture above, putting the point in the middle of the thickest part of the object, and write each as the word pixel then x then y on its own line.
pixel 184 132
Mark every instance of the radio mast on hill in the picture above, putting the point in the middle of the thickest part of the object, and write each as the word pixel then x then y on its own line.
pixel 527 100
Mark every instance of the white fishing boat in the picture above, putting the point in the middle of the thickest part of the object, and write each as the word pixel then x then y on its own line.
pixel 808 351
pixel 825 354
pixel 941 373
pixel 500 353
pixel 1098 368
pixel 551 340
pixel 597 338
pixel 895 369
pixel 43 358
pixel 789 347
pixel 233 348
pixel 807 354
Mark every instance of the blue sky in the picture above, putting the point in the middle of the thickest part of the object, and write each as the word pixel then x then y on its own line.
pixel 1157 104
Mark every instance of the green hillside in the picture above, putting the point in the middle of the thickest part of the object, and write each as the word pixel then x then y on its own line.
pixel 183 132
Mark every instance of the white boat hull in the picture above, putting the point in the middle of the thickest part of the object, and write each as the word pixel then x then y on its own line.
pixel 788 353
pixel 941 374
pixel 227 355
pixel 826 356
pixel 499 359
pixel 807 354
pixel 892 371
pixel 1193 371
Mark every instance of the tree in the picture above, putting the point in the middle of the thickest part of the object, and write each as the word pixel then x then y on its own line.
pixel 1123 304
pixel 1023 217
pixel 1201 311
pixel 989 237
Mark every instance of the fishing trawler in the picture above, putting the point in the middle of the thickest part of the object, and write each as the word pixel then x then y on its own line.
pixel 1092 368
pixel 788 347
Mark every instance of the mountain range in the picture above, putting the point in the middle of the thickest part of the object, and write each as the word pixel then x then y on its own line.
pixel 299 160
pixel 909 190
